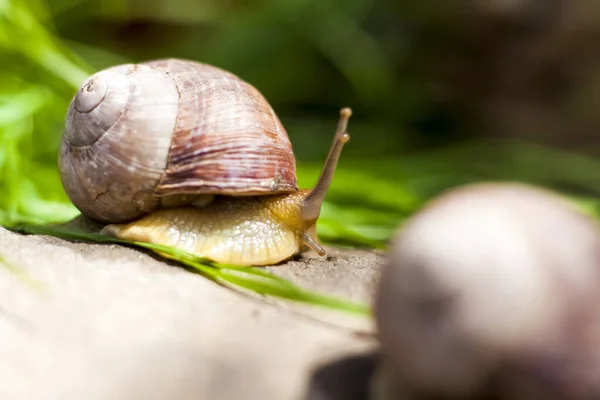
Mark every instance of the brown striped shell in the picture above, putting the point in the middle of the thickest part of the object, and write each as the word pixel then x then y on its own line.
pixel 138 136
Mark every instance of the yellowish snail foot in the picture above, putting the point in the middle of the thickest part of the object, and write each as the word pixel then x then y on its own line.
pixel 262 230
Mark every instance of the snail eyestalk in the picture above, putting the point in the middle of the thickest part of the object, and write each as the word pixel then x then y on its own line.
pixel 313 244
pixel 311 206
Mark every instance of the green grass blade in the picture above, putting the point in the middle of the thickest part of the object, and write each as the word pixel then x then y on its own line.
pixel 254 279
pixel 22 275
pixel 291 292
pixel 21 32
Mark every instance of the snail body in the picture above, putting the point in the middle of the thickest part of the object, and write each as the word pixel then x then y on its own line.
pixel 258 230
pixel 180 153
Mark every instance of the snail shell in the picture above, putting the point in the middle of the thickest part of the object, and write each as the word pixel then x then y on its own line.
pixel 141 136
pixel 491 292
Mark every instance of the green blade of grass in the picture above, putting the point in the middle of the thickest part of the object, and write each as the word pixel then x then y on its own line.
pixel 20 31
pixel 254 279
pixel 22 275
pixel 295 293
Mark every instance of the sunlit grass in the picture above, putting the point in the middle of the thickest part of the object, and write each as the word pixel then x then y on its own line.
pixel 38 77
pixel 23 275
pixel 22 33
pixel 255 279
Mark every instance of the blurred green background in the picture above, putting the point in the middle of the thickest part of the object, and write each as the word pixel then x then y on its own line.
pixel 443 93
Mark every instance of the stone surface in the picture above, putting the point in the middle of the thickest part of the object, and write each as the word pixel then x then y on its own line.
pixel 111 322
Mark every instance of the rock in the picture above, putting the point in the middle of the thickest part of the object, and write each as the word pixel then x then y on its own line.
pixel 108 322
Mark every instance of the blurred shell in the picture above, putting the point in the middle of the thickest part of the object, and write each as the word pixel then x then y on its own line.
pixel 138 136
pixel 494 283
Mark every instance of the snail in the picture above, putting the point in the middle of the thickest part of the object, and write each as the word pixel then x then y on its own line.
pixel 491 292
pixel 185 154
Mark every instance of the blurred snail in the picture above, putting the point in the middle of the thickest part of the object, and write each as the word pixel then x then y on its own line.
pixel 492 292
pixel 185 154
